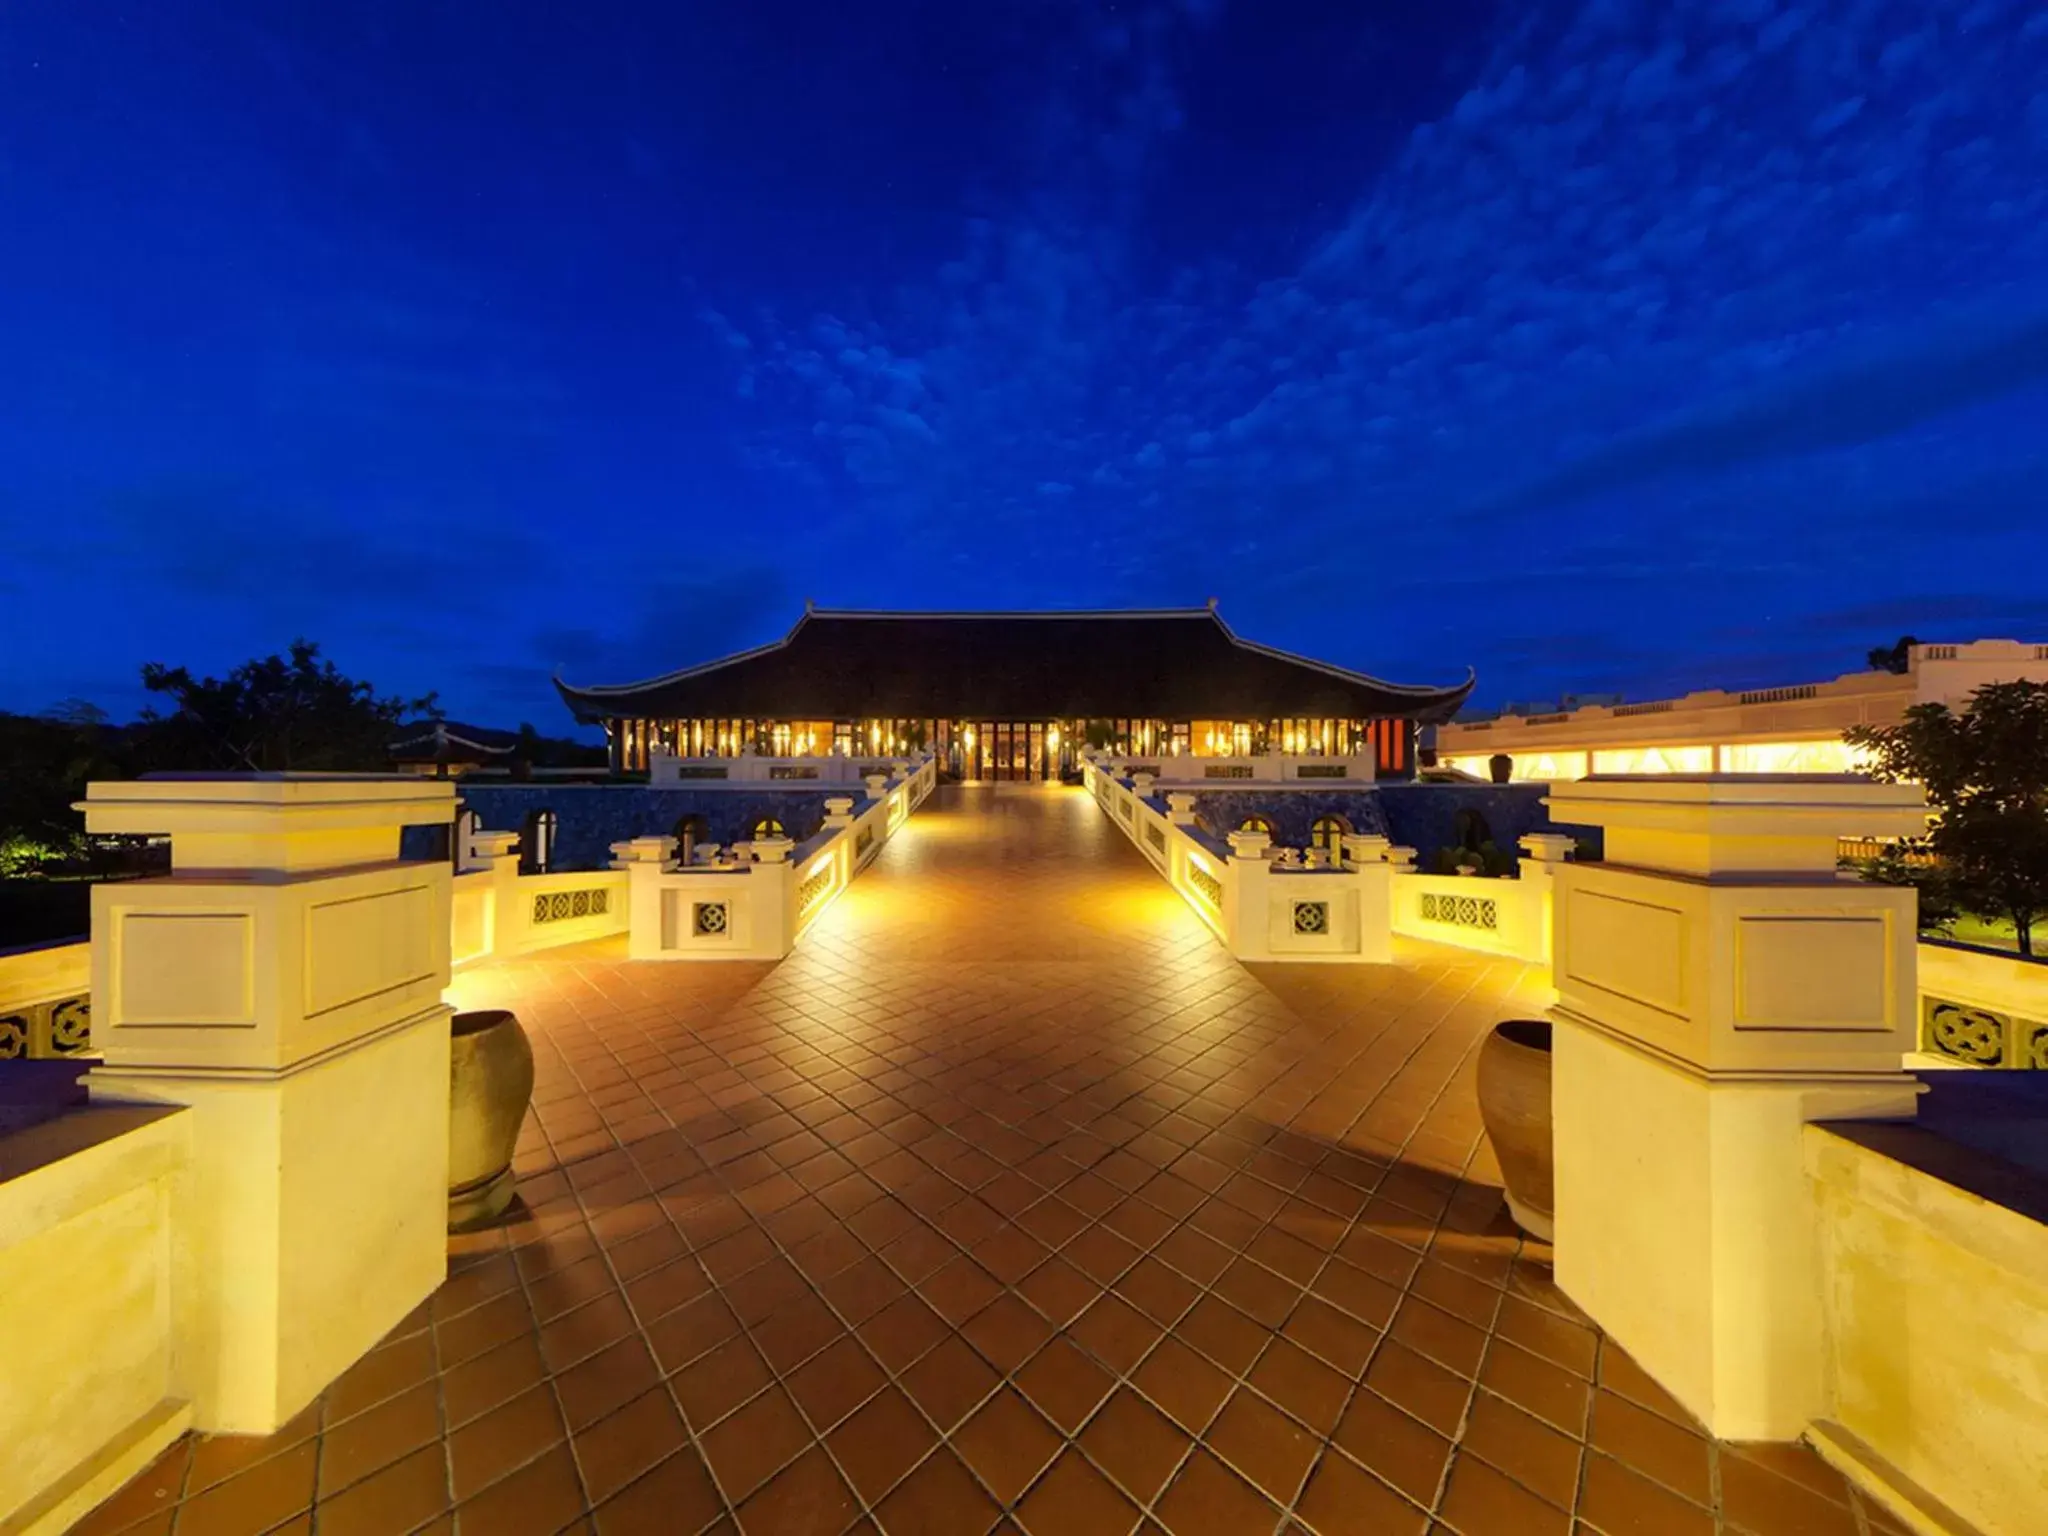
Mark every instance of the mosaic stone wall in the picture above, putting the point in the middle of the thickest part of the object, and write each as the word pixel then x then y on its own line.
pixel 1292 812
pixel 1419 816
pixel 1425 816
pixel 589 818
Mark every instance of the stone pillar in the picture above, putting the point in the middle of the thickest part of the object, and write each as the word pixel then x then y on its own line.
pixel 1254 847
pixel 1547 847
pixel 498 852
pixel 285 982
pixel 1247 894
pixel 645 860
pixel 482 850
pixel 878 785
pixel 1365 848
pixel 1718 988
pixel 1543 853
pixel 839 811
pixel 1180 808
pixel 772 850
pixel 1365 854
pixel 1141 784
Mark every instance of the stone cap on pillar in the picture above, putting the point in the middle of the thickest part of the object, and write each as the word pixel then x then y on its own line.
pixel 492 845
pixel 1736 823
pixel 278 823
pixel 1366 847
pixel 1547 847
pixel 654 851
pixel 1249 845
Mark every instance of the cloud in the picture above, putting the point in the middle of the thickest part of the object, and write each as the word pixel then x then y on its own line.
pixel 1843 402
pixel 1650 247
pixel 676 621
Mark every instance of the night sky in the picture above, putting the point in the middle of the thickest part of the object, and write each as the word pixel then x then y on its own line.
pixel 1631 344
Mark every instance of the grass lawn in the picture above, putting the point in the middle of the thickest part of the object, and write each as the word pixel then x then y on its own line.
pixel 1989 933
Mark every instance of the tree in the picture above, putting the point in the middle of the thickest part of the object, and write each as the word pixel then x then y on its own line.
pixel 48 762
pixel 1986 775
pixel 278 713
pixel 1893 658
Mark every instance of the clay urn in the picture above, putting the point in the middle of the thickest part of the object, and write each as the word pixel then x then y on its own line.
pixel 1514 1105
pixel 490 1082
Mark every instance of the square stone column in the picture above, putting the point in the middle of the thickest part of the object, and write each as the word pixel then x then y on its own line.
pixel 285 982
pixel 1718 988
pixel 1365 854
pixel 645 860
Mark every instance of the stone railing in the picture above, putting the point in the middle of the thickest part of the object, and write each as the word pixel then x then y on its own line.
pixel 1259 911
pixel 1500 917
pixel 757 908
pixel 46 1001
pixel 1262 768
pixel 1980 1008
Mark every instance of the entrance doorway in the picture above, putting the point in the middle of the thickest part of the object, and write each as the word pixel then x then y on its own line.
pixel 1009 751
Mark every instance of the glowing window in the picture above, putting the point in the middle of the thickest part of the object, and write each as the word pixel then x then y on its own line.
pixel 1327 833
pixel 537 845
pixel 768 826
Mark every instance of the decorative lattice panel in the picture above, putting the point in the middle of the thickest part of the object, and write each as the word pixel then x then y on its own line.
pixel 1481 912
pixel 566 906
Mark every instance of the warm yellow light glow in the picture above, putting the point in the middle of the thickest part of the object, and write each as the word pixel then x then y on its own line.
pixel 1654 760
pixel 1830 756
pixel 1052 738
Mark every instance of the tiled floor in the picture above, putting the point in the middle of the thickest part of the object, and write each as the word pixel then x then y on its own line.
pixel 1011 1202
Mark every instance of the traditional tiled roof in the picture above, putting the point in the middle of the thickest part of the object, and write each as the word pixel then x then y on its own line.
pixel 1168 664
pixel 449 741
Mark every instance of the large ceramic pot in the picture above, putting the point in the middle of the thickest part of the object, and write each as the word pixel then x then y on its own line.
pixel 490 1081
pixel 1514 1104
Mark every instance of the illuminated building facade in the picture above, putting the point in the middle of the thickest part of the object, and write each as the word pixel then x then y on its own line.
pixel 1013 696
pixel 1791 729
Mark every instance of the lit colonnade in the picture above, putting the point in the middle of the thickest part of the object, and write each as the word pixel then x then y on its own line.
pixel 1792 729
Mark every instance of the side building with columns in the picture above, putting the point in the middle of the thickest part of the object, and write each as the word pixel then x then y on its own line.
pixel 1792 728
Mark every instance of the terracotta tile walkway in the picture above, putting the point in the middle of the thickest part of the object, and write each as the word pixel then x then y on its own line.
pixel 1008 1202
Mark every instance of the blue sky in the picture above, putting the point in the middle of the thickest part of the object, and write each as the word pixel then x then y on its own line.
pixel 1623 345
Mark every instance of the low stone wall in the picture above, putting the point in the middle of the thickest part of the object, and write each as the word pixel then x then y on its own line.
pixel 1982 1008
pixel 1934 1262
pixel 45 1000
pixel 95 1306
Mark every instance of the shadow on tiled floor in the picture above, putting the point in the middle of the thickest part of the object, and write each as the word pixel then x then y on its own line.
pixel 1011 1202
